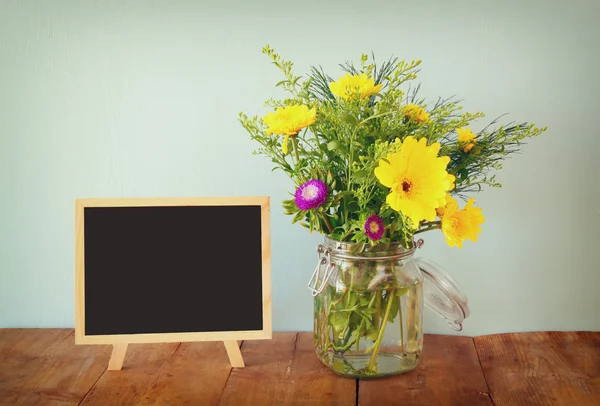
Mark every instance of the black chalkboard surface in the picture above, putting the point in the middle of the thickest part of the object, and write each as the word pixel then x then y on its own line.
pixel 172 269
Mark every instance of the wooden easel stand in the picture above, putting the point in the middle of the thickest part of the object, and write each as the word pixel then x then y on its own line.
pixel 118 355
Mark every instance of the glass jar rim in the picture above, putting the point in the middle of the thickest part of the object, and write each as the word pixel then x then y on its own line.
pixel 351 250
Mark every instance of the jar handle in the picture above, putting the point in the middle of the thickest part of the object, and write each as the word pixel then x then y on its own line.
pixel 323 255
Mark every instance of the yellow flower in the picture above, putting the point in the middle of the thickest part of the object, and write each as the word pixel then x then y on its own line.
pixel 448 203
pixel 467 138
pixel 417 178
pixel 416 113
pixel 289 121
pixel 354 86
pixel 459 225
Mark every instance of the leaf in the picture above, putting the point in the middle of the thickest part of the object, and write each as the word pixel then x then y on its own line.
pixel 330 178
pixel 349 118
pixel 394 309
pixel 299 216
pixel 347 193
pixel 365 313
pixel 359 175
pixel 372 334
pixel 364 301
pixel 333 145
pixel 339 320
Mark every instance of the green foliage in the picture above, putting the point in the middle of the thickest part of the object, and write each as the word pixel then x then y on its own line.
pixel 350 137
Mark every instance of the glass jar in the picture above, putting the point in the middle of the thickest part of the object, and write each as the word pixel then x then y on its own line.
pixel 368 307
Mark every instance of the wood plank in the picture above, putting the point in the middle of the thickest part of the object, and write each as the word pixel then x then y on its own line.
pixel 69 373
pixel 165 374
pixel 448 374
pixel 196 375
pixel 23 344
pixel 286 371
pixel 142 367
pixel 46 368
pixel 542 368
pixel 21 357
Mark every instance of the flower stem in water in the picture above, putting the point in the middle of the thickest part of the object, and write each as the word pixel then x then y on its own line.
pixel 378 306
pixel 391 294
pixel 401 323
pixel 362 323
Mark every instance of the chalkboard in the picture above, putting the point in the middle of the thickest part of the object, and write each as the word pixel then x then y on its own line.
pixel 165 270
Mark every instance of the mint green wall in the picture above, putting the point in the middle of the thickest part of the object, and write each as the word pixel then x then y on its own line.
pixel 140 98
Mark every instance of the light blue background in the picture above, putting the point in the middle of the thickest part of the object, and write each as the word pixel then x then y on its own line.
pixel 140 99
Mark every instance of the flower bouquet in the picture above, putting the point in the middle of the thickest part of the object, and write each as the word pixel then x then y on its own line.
pixel 374 165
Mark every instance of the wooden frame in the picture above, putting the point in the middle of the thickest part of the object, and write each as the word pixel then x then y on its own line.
pixel 120 341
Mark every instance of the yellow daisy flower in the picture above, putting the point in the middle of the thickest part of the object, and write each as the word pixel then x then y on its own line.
pixel 354 86
pixel 467 138
pixel 416 113
pixel 448 203
pixel 459 225
pixel 417 178
pixel 289 121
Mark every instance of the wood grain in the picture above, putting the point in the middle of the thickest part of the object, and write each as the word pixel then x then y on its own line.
pixel 174 201
pixel 142 368
pixel 165 374
pixel 542 368
pixel 45 367
pixel 267 299
pixel 195 375
pixel 286 371
pixel 448 374
pixel 21 357
pixel 175 337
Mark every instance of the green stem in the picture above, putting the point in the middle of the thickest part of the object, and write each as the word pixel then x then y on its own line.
pixel 327 223
pixel 346 235
pixel 362 323
pixel 338 301
pixel 349 174
pixel 344 347
pixel 388 308
pixel 378 312
pixel 436 227
pixel 351 160
pixel 401 323
pixel 295 145
pixel 431 223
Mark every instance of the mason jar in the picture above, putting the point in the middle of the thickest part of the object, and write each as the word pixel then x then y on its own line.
pixel 368 306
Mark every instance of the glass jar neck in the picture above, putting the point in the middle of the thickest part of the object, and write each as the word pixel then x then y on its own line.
pixel 392 250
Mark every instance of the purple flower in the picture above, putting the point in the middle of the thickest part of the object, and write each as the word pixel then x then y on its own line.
pixel 374 227
pixel 311 194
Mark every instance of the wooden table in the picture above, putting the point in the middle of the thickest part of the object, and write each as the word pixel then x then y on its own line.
pixel 44 367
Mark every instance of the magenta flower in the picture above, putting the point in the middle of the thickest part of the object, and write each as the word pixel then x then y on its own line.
pixel 374 227
pixel 311 194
